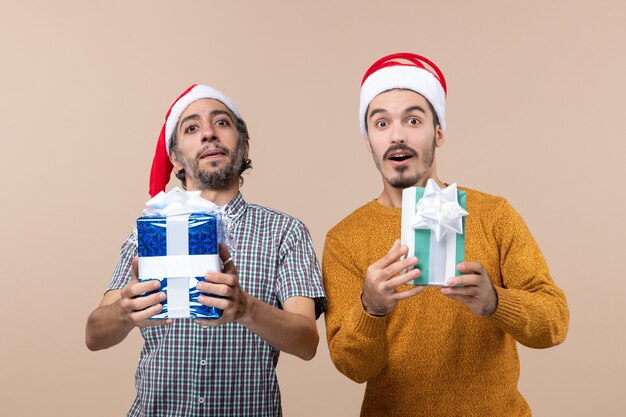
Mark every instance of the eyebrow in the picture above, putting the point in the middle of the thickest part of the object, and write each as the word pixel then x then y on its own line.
pixel 213 113
pixel 407 110
pixel 375 112
pixel 418 108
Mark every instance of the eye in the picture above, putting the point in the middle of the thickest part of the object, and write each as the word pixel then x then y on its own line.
pixel 191 128
pixel 413 121
pixel 381 124
pixel 222 122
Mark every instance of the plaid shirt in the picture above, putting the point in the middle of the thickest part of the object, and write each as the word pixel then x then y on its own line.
pixel 187 370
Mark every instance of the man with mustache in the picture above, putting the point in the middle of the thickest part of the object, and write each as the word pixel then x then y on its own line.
pixel 431 351
pixel 270 290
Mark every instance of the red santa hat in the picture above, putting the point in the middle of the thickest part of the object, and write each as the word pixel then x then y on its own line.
pixel 161 164
pixel 388 74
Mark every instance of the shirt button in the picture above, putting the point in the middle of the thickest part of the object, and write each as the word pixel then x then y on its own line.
pixel 201 400
pixel 202 362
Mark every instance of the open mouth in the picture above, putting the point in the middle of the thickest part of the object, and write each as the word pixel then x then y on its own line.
pixel 399 154
pixel 399 157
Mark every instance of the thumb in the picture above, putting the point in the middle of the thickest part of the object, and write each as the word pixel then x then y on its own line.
pixel 228 265
pixel 134 268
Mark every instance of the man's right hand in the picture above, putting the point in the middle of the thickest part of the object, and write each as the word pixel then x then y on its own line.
pixel 380 294
pixel 137 310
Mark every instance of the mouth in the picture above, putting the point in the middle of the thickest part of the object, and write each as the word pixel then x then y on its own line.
pixel 212 153
pixel 400 156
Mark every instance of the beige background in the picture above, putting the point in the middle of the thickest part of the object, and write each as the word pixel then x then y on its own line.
pixel 535 113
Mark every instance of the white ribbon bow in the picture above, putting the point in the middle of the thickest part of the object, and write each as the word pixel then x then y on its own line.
pixel 177 202
pixel 439 210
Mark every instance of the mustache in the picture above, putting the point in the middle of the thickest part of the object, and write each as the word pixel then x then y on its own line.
pixel 206 148
pixel 399 147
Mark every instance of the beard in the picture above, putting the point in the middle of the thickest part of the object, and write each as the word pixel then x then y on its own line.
pixel 405 179
pixel 219 179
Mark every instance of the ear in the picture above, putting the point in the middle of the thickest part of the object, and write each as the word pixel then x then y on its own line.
pixel 439 136
pixel 177 165
pixel 246 149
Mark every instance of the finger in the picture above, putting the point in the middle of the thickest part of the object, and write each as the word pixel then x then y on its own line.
pixel 133 305
pixel 392 255
pixel 155 323
pixel 398 266
pixel 465 280
pixel 143 302
pixel 227 260
pixel 411 292
pixel 226 317
pixel 465 299
pixel 221 303
pixel 404 278
pixel 216 289
pixel 134 268
pixel 470 268
pixel 221 278
pixel 468 292
pixel 210 323
pixel 135 288
pixel 143 315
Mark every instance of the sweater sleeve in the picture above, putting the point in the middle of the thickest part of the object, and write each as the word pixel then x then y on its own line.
pixel 531 307
pixel 357 341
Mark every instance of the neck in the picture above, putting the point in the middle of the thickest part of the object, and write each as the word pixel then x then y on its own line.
pixel 219 197
pixel 392 196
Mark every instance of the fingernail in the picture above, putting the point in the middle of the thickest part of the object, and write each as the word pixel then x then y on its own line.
pixel 445 290
pixel 450 282
pixel 162 296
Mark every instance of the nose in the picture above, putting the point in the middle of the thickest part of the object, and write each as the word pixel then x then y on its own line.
pixel 397 134
pixel 208 133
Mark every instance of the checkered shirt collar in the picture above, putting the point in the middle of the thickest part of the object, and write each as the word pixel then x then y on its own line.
pixel 236 207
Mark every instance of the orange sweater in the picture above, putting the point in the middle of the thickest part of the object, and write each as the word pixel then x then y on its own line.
pixel 431 356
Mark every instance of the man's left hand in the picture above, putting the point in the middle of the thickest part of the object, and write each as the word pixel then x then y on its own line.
pixel 473 288
pixel 233 301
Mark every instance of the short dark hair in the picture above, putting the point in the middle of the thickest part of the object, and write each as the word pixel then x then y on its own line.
pixel 242 129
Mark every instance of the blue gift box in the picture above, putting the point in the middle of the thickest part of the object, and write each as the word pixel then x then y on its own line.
pixel 178 251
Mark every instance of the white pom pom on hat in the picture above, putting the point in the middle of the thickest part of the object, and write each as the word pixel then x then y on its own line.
pixel 161 164
pixel 388 74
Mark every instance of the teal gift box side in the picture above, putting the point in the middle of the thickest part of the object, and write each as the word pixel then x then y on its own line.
pixel 420 241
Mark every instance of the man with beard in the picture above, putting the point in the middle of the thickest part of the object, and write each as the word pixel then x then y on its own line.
pixel 431 351
pixel 270 290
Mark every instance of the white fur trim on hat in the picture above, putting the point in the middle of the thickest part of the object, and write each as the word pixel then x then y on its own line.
pixel 196 93
pixel 403 77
